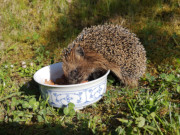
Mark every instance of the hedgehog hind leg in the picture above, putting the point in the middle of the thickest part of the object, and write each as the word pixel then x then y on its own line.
pixel 130 82
pixel 127 81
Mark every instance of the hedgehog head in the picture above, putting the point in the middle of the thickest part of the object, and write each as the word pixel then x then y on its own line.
pixel 75 66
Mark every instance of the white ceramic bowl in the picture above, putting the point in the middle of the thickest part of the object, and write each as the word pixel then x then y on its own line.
pixel 60 95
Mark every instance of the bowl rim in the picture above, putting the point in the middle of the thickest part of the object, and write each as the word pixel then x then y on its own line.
pixel 70 85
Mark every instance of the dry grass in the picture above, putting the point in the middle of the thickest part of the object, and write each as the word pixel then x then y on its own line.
pixel 26 25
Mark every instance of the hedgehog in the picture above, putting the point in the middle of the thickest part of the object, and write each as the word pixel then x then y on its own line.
pixel 105 47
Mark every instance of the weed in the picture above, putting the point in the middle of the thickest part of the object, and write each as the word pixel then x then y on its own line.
pixel 69 110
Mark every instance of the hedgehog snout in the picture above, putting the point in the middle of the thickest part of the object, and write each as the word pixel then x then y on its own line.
pixel 74 77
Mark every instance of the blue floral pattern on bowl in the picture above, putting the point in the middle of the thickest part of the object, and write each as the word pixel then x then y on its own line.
pixel 80 98
pixel 81 95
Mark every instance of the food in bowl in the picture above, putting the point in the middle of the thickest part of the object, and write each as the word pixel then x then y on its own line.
pixel 59 81
pixel 63 80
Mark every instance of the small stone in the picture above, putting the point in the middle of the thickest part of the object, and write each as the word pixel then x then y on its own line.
pixel 24 66
pixel 23 63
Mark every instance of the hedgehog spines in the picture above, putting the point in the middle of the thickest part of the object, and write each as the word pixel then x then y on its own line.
pixel 118 46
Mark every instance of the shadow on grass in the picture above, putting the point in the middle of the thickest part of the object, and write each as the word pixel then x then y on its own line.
pixel 159 44
pixel 31 88
pixel 14 128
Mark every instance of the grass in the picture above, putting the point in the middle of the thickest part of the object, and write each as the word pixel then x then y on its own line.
pixel 33 34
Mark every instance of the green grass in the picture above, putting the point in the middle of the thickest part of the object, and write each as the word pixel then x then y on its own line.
pixel 33 34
